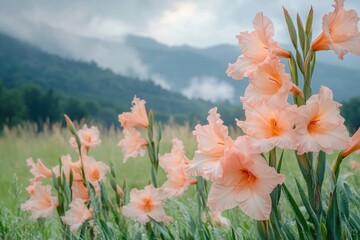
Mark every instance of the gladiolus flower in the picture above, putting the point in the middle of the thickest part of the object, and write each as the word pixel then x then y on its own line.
pixel 268 124
pixel 213 143
pixel 41 203
pixel 95 171
pixel 79 190
pixel 257 47
pixel 38 170
pixel 89 137
pixel 174 164
pixel 146 203
pixel 67 167
pixel 176 157
pixel 132 145
pixel 177 181
pixel 137 117
pixel 319 126
pixel 76 215
pixel 355 144
pixel 270 81
pixel 354 165
pixel 340 32
pixel 247 182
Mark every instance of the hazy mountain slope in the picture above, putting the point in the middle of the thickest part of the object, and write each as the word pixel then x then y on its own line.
pixel 21 63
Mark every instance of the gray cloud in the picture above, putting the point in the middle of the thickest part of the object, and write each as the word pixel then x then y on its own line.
pixel 194 22
pixel 209 88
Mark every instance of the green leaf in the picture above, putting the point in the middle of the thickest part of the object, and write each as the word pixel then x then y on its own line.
pixel 298 215
pixel 301 31
pixel 299 61
pixel 309 21
pixel 308 207
pixel 320 168
pixel 291 28
pixel 162 229
pixel 333 222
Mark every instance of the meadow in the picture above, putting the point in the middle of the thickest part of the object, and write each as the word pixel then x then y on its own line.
pixel 18 144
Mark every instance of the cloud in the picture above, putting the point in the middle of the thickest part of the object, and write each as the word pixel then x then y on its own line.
pixel 209 88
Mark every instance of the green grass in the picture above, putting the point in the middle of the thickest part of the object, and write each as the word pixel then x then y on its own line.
pixel 18 144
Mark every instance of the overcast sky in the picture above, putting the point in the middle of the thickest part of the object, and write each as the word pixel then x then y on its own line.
pixel 198 23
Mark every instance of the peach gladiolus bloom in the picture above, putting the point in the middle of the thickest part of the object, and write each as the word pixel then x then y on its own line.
pixel 269 81
pixel 269 125
pixel 319 126
pixel 146 203
pixel 247 182
pixel 132 145
pixel 89 137
pixel 354 165
pixel 213 143
pixel 177 181
pixel 95 171
pixel 41 203
pixel 137 117
pixel 79 190
pixel 174 164
pixel 355 144
pixel 176 157
pixel 257 47
pixel 340 32
pixel 38 170
pixel 76 215
pixel 67 167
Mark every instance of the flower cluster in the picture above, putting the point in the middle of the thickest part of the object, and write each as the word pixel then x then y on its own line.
pixel 73 174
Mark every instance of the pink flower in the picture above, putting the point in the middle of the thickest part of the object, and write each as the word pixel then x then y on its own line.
pixel 319 126
pixel 268 124
pixel 340 32
pixel 137 117
pixel 247 182
pixel 146 203
pixel 95 171
pixel 40 204
pixel 67 167
pixel 132 145
pixel 269 81
pixel 177 181
pixel 176 158
pixel 89 137
pixel 174 164
pixel 76 215
pixel 355 144
pixel 354 165
pixel 79 190
pixel 213 143
pixel 257 47
pixel 38 170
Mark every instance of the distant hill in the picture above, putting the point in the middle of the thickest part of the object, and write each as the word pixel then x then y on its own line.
pixel 182 63
pixel 21 63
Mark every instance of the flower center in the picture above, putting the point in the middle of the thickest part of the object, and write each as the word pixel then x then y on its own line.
pixel 247 178
pixel 314 126
pixel 275 130
pixel 147 205
pixel 88 138
pixel 95 174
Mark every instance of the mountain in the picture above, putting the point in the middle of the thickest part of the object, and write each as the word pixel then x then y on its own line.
pixel 183 63
pixel 21 64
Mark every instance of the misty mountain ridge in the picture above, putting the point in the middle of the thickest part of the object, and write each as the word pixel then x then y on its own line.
pixel 193 72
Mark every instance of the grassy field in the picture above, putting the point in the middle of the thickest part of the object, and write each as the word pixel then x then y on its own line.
pixel 18 144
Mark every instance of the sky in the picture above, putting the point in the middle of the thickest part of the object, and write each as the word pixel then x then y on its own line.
pixel 200 23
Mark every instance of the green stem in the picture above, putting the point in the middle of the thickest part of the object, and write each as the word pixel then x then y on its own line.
pixel 336 166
